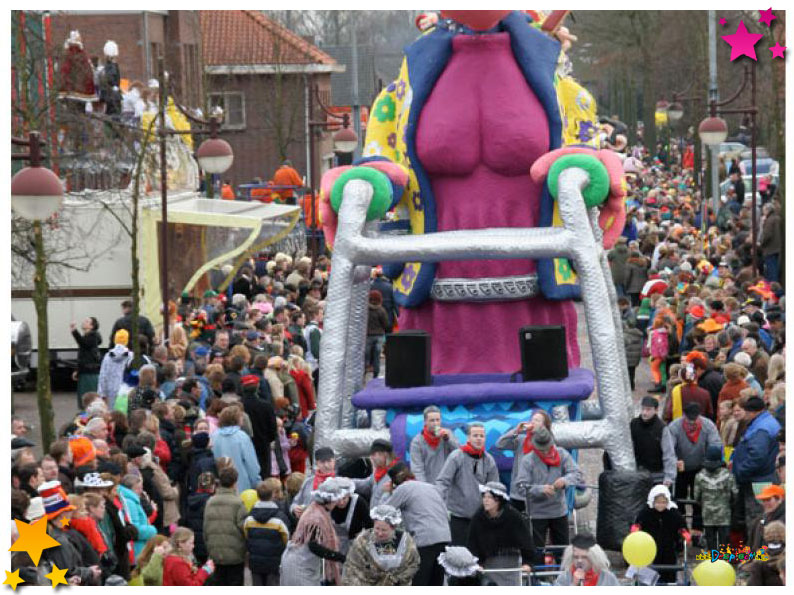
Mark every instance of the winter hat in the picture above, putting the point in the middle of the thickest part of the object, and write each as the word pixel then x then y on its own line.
pixel 742 320
pixel 324 454
pixel 697 311
pixel 649 401
pixel 200 440
pixel 250 380
pixel 496 489
pixel 754 404
pixel 387 514
pixel 35 509
pixel 661 490
pixel 458 561
pixel 692 411
pixel 95 481
pixel 83 451
pixel 134 451
pixel 542 439
pixel 122 337
pixel 54 498
pixel 583 541
pixel 713 458
pixel 20 442
pixel 380 445
pixel 252 335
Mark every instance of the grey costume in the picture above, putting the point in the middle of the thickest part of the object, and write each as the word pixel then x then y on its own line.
pixel 511 440
pixel 460 479
pixel 372 490
pixel 534 474
pixel 426 462
pixel 694 454
pixel 424 512
pixel 605 579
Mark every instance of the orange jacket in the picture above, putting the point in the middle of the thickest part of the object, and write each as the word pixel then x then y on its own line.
pixel 286 176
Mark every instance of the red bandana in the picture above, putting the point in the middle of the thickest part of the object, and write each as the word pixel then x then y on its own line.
pixel 528 447
pixel 432 440
pixel 692 429
pixel 550 458
pixel 381 471
pixel 321 477
pixel 470 450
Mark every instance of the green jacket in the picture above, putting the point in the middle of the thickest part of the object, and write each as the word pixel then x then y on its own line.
pixel 715 490
pixel 224 516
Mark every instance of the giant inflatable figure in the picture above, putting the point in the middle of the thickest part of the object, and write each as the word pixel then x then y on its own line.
pixel 473 135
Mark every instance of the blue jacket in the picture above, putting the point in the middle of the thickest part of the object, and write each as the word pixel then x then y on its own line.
pixel 137 518
pixel 266 535
pixel 754 456
pixel 232 442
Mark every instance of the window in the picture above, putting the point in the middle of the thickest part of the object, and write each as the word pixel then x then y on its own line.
pixel 233 106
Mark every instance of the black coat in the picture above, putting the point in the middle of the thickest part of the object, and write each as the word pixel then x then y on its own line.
pixel 664 528
pixel 265 544
pixel 122 535
pixel 263 424
pixel 88 357
pixel 125 322
pixel 507 533
pixel 383 285
pixel 712 381
pixel 194 520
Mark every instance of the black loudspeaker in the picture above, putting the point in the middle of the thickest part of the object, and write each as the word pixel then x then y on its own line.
pixel 543 353
pixel 408 359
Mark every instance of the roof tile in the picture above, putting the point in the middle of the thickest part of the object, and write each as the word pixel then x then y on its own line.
pixel 241 37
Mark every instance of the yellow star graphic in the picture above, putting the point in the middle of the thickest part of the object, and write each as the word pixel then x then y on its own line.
pixel 12 579
pixel 64 522
pixel 57 576
pixel 33 539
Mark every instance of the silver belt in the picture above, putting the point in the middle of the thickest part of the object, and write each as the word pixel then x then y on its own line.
pixel 488 289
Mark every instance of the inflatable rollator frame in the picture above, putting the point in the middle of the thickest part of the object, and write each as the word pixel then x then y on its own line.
pixel 359 246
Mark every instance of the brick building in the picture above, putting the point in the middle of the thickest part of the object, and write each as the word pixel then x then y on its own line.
pixel 260 73
pixel 142 36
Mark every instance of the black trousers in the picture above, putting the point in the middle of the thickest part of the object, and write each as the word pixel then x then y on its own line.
pixel 632 371
pixel 459 527
pixel 265 579
pixel 228 575
pixel 558 534
pixel 684 488
pixel 430 573
pixel 716 536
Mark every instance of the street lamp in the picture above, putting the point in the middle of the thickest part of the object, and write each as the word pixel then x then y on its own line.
pixel 713 131
pixel 36 194
pixel 215 156
pixel 675 111
pixel 345 141
pixel 716 130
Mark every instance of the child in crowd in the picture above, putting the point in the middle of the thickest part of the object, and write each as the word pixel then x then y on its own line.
pixel 662 521
pixel 715 491
pixel 266 535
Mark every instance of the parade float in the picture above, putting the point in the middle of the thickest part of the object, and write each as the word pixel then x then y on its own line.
pixel 486 153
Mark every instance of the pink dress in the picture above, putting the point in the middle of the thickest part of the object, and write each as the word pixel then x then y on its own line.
pixel 478 135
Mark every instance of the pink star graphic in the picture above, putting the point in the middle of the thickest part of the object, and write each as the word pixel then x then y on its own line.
pixel 766 17
pixel 723 21
pixel 742 42
pixel 777 51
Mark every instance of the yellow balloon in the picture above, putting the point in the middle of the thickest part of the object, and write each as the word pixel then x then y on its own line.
pixel 714 574
pixel 639 549
pixel 249 498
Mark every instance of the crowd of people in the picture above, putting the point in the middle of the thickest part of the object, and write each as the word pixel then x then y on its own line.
pixel 188 466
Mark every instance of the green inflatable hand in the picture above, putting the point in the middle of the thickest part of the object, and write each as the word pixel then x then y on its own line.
pixel 381 186
pixel 596 191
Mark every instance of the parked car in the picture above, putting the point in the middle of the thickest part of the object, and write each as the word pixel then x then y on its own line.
pixel 730 150
pixel 748 186
pixel 764 165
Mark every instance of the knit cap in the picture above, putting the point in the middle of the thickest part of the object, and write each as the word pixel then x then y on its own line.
pixel 122 337
pixel 83 451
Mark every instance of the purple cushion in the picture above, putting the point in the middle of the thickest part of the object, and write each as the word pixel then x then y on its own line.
pixel 470 389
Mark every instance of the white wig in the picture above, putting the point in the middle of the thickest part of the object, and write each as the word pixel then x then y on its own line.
pixel 598 559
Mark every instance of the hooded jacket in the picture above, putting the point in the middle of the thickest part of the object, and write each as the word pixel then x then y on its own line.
pixel 266 535
pixel 232 442
pixel 137 518
pixel 111 372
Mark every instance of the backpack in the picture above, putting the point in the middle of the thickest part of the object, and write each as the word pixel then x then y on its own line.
pixel 659 343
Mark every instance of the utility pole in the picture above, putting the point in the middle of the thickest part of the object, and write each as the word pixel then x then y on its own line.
pixel 713 96
pixel 354 89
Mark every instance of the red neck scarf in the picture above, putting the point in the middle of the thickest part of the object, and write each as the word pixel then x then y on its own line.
pixel 432 440
pixel 528 448
pixel 381 471
pixel 590 577
pixel 470 450
pixel 550 458
pixel 692 429
pixel 321 477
